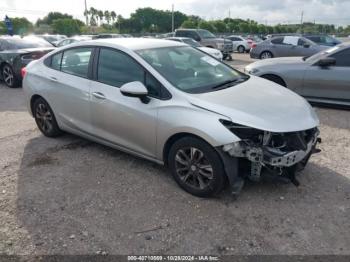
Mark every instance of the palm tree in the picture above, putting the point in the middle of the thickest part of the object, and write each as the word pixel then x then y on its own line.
pixel 86 14
pixel 107 16
pixel 113 15
pixel 93 13
pixel 100 15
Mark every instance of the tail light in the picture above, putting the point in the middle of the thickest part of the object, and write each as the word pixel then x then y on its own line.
pixel 253 45
pixel 23 72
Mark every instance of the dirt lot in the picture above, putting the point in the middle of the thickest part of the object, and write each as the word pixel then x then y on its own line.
pixel 72 196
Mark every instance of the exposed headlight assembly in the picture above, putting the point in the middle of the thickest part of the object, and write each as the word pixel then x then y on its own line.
pixel 244 132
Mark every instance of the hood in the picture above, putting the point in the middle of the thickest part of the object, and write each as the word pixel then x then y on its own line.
pixel 209 50
pixel 260 104
pixel 279 61
pixel 30 50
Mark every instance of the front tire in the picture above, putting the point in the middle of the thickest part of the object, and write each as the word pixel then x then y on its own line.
pixel 45 118
pixel 9 77
pixel 196 167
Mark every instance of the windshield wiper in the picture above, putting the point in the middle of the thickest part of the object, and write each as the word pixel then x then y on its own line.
pixel 229 83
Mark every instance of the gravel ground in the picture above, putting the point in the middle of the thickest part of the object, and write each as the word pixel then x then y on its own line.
pixel 72 196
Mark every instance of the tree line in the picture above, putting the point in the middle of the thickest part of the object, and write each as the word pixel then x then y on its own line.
pixel 150 20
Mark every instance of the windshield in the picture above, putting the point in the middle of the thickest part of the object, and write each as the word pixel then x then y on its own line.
pixel 191 70
pixel 27 42
pixel 205 34
pixel 191 42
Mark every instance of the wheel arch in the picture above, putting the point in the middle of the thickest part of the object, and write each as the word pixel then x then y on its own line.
pixel 269 76
pixel 175 137
pixel 32 101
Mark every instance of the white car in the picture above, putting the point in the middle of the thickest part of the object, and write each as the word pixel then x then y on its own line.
pixel 189 41
pixel 240 44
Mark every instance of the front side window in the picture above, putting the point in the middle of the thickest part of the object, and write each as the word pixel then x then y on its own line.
pixel 342 58
pixel 117 69
pixel 190 70
pixel 205 33
pixel 76 61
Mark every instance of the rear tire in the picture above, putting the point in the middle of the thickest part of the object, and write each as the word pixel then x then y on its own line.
pixel 266 55
pixel 45 118
pixel 9 76
pixel 240 49
pixel 196 167
pixel 275 79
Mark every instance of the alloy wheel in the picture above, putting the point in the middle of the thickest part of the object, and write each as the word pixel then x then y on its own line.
pixel 193 168
pixel 44 118
pixel 266 55
pixel 8 75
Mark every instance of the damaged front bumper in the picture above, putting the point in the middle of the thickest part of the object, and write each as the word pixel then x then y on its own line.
pixel 278 155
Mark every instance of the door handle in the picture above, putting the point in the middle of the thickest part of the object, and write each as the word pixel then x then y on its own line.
pixel 99 95
pixel 53 79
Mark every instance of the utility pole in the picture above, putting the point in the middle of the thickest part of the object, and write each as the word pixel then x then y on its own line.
pixel 86 15
pixel 301 21
pixel 172 18
pixel 229 13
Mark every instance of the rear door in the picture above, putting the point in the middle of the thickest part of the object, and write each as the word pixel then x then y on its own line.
pixel 280 48
pixel 331 82
pixel 118 119
pixel 69 87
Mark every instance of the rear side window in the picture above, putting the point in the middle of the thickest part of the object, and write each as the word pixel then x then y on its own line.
pixel 277 41
pixel 56 61
pixel 76 61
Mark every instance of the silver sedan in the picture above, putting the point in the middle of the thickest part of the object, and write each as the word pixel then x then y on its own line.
pixel 175 105
pixel 323 77
pixel 284 46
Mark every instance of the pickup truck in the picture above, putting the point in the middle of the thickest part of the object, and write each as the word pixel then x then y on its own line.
pixel 206 38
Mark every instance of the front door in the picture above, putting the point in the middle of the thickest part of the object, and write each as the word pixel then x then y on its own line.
pixel 331 82
pixel 121 120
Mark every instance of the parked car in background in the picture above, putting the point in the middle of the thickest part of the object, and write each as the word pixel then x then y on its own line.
pixel 240 44
pixel 323 77
pixel 100 36
pixel 73 39
pixel 206 38
pixel 253 40
pixel 16 53
pixel 52 39
pixel 210 124
pixel 282 46
pixel 189 41
pixel 325 40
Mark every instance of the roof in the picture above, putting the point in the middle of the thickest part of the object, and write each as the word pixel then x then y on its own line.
pixel 136 43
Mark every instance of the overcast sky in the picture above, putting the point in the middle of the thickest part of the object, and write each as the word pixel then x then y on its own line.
pixel 264 11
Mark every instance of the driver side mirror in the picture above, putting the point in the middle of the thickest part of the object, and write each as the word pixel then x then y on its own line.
pixel 306 45
pixel 135 89
pixel 328 61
